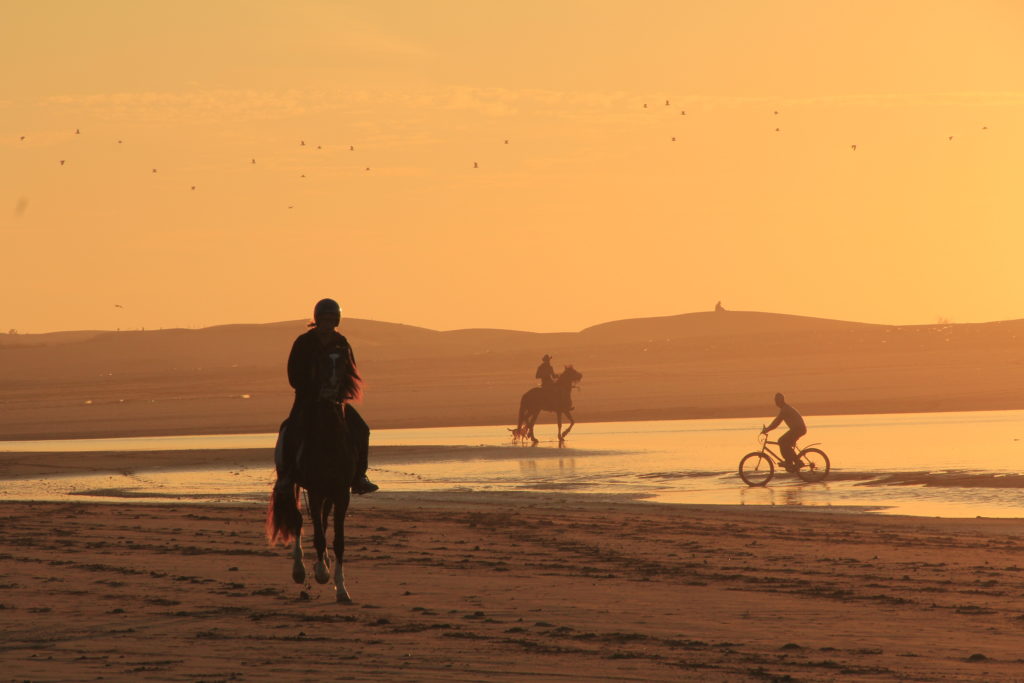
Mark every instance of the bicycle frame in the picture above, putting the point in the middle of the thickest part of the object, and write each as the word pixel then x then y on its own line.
pixel 776 456
pixel 767 451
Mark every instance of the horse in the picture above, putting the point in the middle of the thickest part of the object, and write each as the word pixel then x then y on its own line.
pixel 556 398
pixel 324 466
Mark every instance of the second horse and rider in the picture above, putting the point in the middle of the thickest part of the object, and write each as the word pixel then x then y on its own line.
pixel 554 395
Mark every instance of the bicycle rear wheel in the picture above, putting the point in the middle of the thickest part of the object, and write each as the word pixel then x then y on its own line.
pixel 814 465
pixel 756 469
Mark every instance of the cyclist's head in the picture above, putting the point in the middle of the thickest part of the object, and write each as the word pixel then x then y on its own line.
pixel 780 400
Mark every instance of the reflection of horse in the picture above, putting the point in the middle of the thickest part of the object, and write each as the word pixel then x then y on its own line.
pixel 324 465
pixel 556 398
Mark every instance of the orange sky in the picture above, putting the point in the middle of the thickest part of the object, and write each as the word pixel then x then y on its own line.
pixel 591 212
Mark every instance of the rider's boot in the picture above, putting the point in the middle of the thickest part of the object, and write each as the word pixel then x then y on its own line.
pixel 363 485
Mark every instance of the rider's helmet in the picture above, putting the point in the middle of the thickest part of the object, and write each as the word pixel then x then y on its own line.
pixel 326 309
pixel 779 399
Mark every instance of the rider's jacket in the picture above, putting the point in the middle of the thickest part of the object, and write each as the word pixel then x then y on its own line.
pixel 793 419
pixel 545 373
pixel 319 371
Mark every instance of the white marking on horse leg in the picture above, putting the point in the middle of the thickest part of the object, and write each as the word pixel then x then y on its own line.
pixel 339 583
pixel 298 569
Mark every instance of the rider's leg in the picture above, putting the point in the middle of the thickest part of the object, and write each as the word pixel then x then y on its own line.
pixel 360 433
pixel 787 442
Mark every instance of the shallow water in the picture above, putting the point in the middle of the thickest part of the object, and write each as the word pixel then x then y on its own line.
pixel 941 464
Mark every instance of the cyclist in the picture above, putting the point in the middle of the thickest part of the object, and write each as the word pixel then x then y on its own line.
pixel 797 428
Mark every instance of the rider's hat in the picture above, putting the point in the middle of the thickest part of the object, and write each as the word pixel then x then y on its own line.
pixel 546 357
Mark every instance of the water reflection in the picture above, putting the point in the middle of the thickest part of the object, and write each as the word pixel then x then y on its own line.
pixel 961 464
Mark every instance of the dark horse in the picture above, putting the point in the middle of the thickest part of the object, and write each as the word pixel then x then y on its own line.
pixel 556 398
pixel 322 459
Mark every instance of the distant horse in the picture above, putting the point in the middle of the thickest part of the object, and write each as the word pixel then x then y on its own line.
pixel 324 464
pixel 556 398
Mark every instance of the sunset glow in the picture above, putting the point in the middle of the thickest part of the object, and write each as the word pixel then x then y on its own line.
pixel 521 165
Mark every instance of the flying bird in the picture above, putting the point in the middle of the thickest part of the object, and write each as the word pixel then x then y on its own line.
pixel 154 170
pixel 673 139
pixel 290 206
pixel 476 165
pixel 506 142
pixel 118 306
pixel 193 187
pixel 682 113
pixel 119 142
pixel 303 175
pixel 351 148
pixel 776 113
pixel 253 161
pixel 22 137
pixel 302 143
pixel 319 147
pixel 61 162
pixel 983 128
pixel 778 130
pixel 367 168
pixel 950 138
pixel 853 147
pixel 77 132
pixel 645 105
pixel 666 103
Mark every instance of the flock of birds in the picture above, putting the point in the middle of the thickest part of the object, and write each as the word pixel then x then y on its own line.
pixel 476 164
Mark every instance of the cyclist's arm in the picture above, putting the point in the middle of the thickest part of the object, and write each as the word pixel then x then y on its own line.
pixel 774 424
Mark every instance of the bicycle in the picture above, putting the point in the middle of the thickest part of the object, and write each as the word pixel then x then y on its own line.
pixel 758 468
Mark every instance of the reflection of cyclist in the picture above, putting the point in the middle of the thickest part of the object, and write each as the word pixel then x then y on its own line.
pixel 797 428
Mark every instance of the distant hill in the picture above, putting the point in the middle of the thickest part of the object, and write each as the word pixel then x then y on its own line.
pixel 711 364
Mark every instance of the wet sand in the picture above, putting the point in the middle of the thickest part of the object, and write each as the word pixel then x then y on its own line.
pixel 18 465
pixel 468 586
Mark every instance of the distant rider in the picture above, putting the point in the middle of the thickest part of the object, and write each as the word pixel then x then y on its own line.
pixel 545 373
pixel 797 428
pixel 322 367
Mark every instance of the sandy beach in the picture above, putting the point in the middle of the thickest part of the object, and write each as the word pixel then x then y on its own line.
pixel 468 586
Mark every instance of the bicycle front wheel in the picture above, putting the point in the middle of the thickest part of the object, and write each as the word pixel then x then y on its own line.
pixel 756 469
pixel 814 465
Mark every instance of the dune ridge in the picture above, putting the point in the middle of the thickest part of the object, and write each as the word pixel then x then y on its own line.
pixel 231 378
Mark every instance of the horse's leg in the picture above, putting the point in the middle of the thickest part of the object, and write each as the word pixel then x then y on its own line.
pixel 561 436
pixel 317 503
pixel 340 508
pixel 568 429
pixel 298 569
pixel 520 433
pixel 532 420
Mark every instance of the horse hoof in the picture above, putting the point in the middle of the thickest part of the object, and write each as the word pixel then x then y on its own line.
pixel 320 571
pixel 298 572
pixel 343 597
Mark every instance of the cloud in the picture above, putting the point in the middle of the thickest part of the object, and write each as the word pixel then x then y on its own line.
pixel 228 105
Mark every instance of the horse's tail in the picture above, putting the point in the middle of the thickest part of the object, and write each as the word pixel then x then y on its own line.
pixel 284 516
pixel 522 414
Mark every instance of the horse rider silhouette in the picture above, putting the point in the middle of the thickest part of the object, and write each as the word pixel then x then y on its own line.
pixel 545 373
